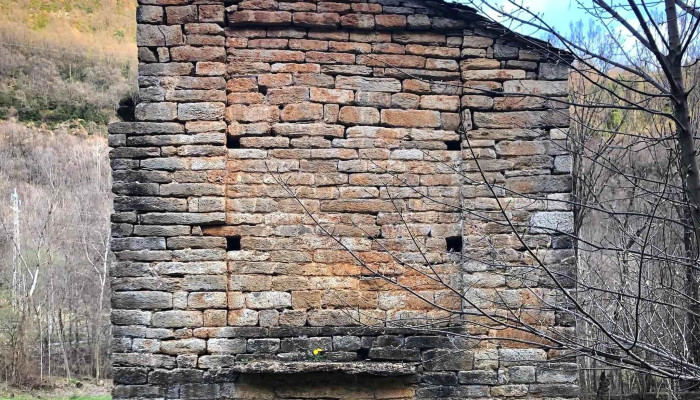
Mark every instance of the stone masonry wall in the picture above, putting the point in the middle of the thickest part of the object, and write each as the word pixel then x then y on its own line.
pixel 299 191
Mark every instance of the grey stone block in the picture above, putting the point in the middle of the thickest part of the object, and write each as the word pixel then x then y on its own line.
pixel 346 343
pixel 265 345
pixel 552 221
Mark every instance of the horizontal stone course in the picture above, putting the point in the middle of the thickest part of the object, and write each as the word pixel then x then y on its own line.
pixel 369 113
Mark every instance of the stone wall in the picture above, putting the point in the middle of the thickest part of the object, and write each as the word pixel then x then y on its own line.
pixel 301 176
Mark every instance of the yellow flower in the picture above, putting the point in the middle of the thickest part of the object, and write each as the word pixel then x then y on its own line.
pixel 317 351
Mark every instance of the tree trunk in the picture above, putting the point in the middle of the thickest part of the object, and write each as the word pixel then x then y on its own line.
pixel 689 172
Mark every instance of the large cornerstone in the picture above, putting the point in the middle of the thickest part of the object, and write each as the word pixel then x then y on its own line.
pixel 352 199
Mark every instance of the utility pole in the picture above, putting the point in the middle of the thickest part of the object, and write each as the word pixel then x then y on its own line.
pixel 15 207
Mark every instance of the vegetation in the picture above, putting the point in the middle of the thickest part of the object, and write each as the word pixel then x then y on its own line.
pixel 64 66
pixel 66 63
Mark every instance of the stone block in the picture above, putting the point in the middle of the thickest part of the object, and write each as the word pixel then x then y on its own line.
pixel 183 346
pixel 447 360
pixel 177 319
pixel 265 345
pixel 226 346
pixel 181 14
pixel 271 299
pixel 200 111
pixel 478 377
pixel 411 118
pixel 316 20
pixel 521 374
pixel 557 373
pixel 141 300
pixel 346 343
pixel 552 221
pixel 259 18
pixel 358 115
pixel 159 35
pixel 156 111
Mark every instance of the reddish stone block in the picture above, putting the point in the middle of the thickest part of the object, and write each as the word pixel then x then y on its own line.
pixel 258 5
pixel 268 43
pixel 247 84
pixel 297 6
pixel 440 102
pixel 389 48
pixel 411 118
pixel 255 113
pixel 338 96
pixel 350 47
pixel 302 112
pixel 367 8
pixel 181 14
pixel 358 115
pixel 190 53
pixel 391 60
pixel 249 55
pixel 296 68
pixel 288 95
pixel 389 21
pixel 305 44
pixel 329 7
pixel 330 58
pixel 211 13
pixel 316 20
pixel 432 51
pixel 480 63
pixel 264 18
pixel 357 21
pixel 275 80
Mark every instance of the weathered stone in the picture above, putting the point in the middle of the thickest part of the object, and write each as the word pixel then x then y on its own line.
pixel 183 346
pixel 552 221
pixel 358 115
pixel 522 119
pixel 177 319
pixel 156 111
pixel 521 374
pixel 411 119
pixel 302 112
pixel 361 110
pixel 478 377
pixel 226 346
pixel 447 360
pixel 262 300
pixel 346 343
pixel 200 111
pixel 260 18
pixel 368 84
pixel 159 35
pixel 142 300
pixel 557 373
pixel 263 345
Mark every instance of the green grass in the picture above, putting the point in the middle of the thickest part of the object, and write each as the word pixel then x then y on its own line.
pixel 63 398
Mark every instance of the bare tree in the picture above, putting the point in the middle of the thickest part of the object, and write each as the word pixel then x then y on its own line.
pixel 634 109
pixel 56 322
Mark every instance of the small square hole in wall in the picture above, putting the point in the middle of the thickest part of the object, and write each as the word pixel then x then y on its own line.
pixel 233 142
pixel 454 244
pixel 453 145
pixel 233 243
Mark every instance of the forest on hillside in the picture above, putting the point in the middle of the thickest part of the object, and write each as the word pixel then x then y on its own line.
pixel 64 67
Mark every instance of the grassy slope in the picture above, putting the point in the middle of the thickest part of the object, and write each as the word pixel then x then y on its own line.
pixel 66 62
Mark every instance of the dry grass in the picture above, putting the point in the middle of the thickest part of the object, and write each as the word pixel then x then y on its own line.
pixel 102 27
pixel 66 62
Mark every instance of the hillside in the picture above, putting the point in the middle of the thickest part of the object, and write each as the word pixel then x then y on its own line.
pixel 66 63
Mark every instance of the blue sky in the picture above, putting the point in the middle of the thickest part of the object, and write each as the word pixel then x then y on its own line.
pixel 559 13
